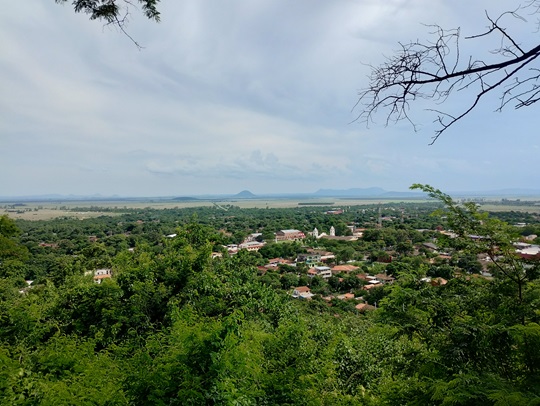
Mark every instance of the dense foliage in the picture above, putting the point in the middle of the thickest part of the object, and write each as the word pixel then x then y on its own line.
pixel 178 325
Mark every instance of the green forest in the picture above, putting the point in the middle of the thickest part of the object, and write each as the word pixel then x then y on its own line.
pixel 181 321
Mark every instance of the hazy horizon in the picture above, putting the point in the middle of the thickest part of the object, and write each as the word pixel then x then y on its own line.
pixel 320 193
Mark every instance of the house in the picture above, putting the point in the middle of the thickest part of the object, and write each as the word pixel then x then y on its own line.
pixel 289 235
pixel 431 246
pixel 438 281
pixel 302 292
pixel 251 245
pixel 384 278
pixel 323 255
pixel 100 274
pixel 322 271
pixel 528 251
pixel 254 237
pixel 326 256
pixel 344 269
pixel 362 307
pixel 278 261
pixel 335 211
pixel 328 298
pixel 346 296
pixel 370 286
pixel 434 281
pixel 232 249
pixel 448 233
pixel 309 258
pixel 312 272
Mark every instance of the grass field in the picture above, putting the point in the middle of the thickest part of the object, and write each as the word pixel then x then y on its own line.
pixel 49 213
pixel 500 207
pixel 49 210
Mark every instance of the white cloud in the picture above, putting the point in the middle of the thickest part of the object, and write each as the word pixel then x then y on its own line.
pixel 230 95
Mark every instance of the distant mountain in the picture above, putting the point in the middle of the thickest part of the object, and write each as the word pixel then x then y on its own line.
pixel 352 193
pixel 244 194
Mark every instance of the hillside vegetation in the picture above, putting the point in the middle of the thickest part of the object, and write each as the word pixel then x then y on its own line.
pixel 180 321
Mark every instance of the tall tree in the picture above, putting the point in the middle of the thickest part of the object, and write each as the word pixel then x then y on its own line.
pixel 477 233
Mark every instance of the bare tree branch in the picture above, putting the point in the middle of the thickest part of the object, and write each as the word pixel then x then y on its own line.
pixel 434 70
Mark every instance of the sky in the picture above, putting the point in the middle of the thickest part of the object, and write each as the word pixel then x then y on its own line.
pixel 238 95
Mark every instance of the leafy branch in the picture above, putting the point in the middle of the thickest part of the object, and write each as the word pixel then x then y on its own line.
pixel 115 12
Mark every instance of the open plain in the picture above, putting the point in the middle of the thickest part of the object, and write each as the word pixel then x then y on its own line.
pixel 45 210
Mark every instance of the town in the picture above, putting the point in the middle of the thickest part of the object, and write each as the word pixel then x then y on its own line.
pixel 374 245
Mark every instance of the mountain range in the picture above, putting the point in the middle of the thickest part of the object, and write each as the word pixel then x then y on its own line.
pixel 371 192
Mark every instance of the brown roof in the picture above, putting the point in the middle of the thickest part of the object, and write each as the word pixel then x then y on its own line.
pixel 364 306
pixel 279 261
pixel 328 298
pixel 438 281
pixel 301 289
pixel 275 260
pixel 49 245
pixel 368 287
pixel 344 268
